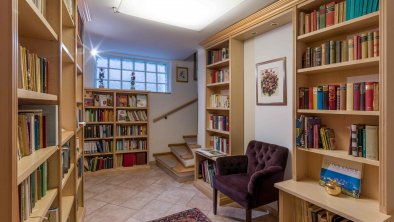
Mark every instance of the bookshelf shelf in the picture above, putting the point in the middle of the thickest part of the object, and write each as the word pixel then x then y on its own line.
pixel 218 109
pixel 131 151
pixel 220 64
pixel 36 97
pixel 67 18
pixel 350 26
pixel 42 206
pixel 28 164
pixel 79 42
pixel 99 107
pixel 338 112
pixel 97 123
pixel 342 154
pixel 104 138
pixel 131 137
pixel 218 131
pixel 33 24
pixel 66 55
pixel 67 175
pixel 66 136
pixel 362 209
pixel 80 213
pixel 218 84
pixel 133 108
pixel 135 122
pixel 98 154
pixel 355 64
pixel 67 203
pixel 79 70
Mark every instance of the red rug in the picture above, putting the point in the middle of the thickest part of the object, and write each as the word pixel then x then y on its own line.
pixel 192 215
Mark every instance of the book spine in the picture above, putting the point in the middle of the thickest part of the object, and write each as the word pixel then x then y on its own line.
pixel 332 52
pixel 319 97
pixel 328 53
pixel 349 96
pixel 355 46
pixel 323 54
pixel 376 44
pixel 330 16
pixel 301 30
pixel 356 96
pixel 338 51
pixel 301 94
pixel 332 97
pixel 338 97
pixel 350 49
pixel 371 142
pixel 362 96
pixel 325 97
pixel 354 144
pixel 310 98
pixel 364 46
pixel 322 13
pixel 315 98
pixel 344 48
pixel 376 96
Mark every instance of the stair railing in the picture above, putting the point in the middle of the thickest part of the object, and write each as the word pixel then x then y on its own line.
pixel 165 115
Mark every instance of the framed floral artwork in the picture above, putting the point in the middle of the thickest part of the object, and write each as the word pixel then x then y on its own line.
pixel 182 74
pixel 271 82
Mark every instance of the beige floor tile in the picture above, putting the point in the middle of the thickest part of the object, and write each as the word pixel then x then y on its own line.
pixel 91 205
pixel 204 204
pixel 110 213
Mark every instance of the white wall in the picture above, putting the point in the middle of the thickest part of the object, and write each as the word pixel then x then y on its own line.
pixel 272 124
pixel 201 95
pixel 171 130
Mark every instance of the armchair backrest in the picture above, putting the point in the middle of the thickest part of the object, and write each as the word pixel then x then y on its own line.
pixel 261 155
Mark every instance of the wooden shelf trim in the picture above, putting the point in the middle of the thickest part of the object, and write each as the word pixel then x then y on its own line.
pixel 98 154
pixel 95 123
pixel 362 209
pixel 353 25
pixel 67 203
pixel 218 131
pixel 67 175
pixel 42 206
pixel 341 154
pixel 67 18
pixel 339 112
pixel 66 136
pixel 218 84
pixel 131 137
pixel 219 64
pixel 80 214
pixel 105 138
pixel 28 164
pixel 31 95
pixel 66 55
pixel 131 108
pixel 131 151
pixel 132 122
pixel 214 108
pixel 79 69
pixel 354 64
pixel 99 107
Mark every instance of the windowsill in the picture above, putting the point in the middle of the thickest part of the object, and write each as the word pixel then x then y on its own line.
pixel 159 92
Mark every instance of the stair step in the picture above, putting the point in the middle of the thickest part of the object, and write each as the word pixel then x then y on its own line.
pixel 184 155
pixel 173 167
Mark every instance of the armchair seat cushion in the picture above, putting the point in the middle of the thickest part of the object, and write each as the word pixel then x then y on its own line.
pixel 234 186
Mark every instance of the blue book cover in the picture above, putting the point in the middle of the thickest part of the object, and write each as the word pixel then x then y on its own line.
pixel 346 173
pixel 365 7
pixel 319 97
pixel 376 5
pixel 369 6
pixel 347 9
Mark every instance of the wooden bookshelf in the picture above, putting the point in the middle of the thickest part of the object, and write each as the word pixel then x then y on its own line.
pixel 42 206
pixel 36 97
pixel 117 153
pixel 67 205
pixel 339 112
pixel 340 67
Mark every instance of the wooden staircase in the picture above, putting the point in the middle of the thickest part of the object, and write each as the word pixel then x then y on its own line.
pixel 179 163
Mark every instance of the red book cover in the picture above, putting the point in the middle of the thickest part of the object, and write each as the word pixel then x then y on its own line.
pixel 314 21
pixel 101 164
pixel 369 96
pixel 332 97
pixel 330 16
pixel 301 95
pixel 356 96
pixel 310 98
pixel 359 56
pixel 128 159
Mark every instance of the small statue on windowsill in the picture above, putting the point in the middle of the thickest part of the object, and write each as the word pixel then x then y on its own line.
pixel 101 78
pixel 132 79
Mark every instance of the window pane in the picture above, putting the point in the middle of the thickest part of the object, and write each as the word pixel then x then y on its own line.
pixel 151 87
pixel 140 66
pixel 151 67
pixel 127 64
pixel 126 75
pixel 114 74
pixel 161 88
pixel 139 76
pixel 151 77
pixel 102 62
pixel 114 84
pixel 105 73
pixel 105 84
pixel 114 63
pixel 161 78
pixel 126 85
pixel 161 68
pixel 140 86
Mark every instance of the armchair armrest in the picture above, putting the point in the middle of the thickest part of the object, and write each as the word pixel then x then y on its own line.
pixel 231 165
pixel 265 179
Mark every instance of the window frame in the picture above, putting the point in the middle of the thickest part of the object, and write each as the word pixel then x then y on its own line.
pixel 145 61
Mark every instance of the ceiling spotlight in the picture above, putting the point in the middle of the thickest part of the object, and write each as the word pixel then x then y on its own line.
pixel 94 52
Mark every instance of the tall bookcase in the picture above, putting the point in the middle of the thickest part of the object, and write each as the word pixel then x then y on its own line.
pixel 50 34
pixel 373 204
pixel 115 153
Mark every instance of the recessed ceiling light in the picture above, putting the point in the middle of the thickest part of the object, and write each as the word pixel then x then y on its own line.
pixel 189 14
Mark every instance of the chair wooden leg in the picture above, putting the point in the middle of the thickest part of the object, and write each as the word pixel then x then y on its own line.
pixel 248 215
pixel 215 201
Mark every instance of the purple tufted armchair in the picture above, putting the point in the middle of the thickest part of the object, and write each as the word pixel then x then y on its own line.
pixel 249 179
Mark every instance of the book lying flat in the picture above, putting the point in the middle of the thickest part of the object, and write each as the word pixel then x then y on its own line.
pixel 210 152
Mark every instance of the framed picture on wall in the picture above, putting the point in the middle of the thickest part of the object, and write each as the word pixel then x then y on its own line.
pixel 182 74
pixel 271 82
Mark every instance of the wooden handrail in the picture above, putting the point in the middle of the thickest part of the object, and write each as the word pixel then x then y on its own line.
pixel 164 116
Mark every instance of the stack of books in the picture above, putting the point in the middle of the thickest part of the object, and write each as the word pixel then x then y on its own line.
pixel 103 146
pixel 99 115
pixel 100 100
pixel 132 116
pixel 355 47
pixel 218 76
pixel 364 141
pixel 219 122
pixel 98 131
pixel 217 55
pixel 139 101
pixel 310 133
pixel 362 96
pixel 220 101
pixel 131 159
pixel 132 130
pixel 206 171
pixel 220 144
pixel 98 163
pixel 31 132
pixel 131 144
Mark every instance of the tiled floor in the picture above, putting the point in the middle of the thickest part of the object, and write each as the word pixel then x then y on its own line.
pixel 143 195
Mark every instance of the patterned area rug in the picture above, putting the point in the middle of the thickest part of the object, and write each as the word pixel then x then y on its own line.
pixel 192 215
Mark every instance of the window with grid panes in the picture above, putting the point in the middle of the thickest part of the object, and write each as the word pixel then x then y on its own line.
pixel 149 75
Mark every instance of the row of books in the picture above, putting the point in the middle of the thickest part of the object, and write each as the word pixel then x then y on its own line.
pixel 311 134
pixel 363 96
pixel 31 190
pixel 334 13
pixel 102 100
pixel 219 122
pixel 131 144
pixel 132 116
pixel 103 146
pixel 139 100
pixel 220 101
pixel 356 47
pixel 218 76
pixel 217 55
pixel 131 159
pixel 364 141
pixel 41 6
pixel 131 130
pixel 99 115
pixel 98 163
pixel 207 170
pixel 218 143
pixel 33 71
pixel 313 213
pixel 98 131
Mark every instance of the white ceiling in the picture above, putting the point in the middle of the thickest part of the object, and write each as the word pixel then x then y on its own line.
pixel 119 33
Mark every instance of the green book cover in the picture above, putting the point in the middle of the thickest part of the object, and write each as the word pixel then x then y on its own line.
pixel 357 8
pixel 364 143
pixel 360 8
pixel 322 12
pixel 44 178
pixel 351 9
pixel 376 5
pixel 365 7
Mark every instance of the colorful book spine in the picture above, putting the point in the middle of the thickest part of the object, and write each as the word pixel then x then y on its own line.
pixel 349 97
pixel 356 96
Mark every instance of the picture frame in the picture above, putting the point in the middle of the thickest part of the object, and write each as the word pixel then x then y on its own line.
pixel 271 82
pixel 182 74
